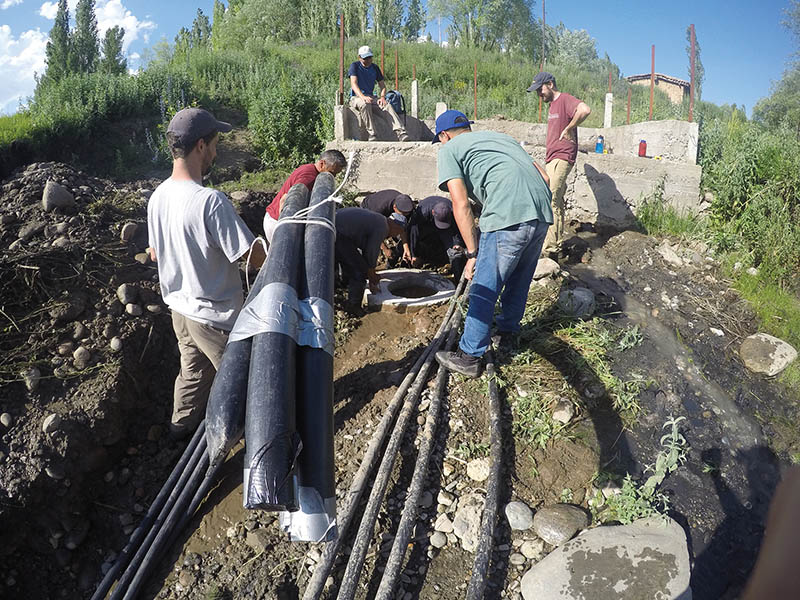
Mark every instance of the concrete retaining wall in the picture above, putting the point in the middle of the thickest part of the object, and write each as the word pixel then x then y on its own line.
pixel 602 188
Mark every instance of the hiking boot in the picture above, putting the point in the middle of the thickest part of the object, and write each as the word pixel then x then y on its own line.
pixel 179 431
pixel 354 309
pixel 504 339
pixel 458 361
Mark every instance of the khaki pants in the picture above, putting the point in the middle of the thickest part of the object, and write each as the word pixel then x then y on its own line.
pixel 367 111
pixel 557 170
pixel 201 349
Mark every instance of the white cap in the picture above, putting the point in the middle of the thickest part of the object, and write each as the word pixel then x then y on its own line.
pixel 364 51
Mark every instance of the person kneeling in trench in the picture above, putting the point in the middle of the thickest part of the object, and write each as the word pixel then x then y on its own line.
pixel 359 234
pixel 196 238
pixel 494 170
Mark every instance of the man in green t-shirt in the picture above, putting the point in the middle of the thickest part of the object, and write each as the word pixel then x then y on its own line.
pixel 514 194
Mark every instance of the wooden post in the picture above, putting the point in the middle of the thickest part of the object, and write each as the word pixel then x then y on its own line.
pixel 396 71
pixel 383 48
pixel 652 78
pixel 341 58
pixel 476 93
pixel 628 122
pixel 691 85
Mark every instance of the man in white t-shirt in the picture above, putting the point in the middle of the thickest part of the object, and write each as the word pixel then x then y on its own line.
pixel 196 238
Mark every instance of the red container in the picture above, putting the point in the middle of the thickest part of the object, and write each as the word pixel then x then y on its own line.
pixel 642 148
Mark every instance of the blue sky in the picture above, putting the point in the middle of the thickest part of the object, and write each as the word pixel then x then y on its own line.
pixel 744 47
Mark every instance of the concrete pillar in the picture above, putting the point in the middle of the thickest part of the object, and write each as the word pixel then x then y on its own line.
pixel 414 98
pixel 338 123
pixel 440 108
pixel 609 105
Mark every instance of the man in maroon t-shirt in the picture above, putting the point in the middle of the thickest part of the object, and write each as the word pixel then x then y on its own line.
pixel 566 113
pixel 330 161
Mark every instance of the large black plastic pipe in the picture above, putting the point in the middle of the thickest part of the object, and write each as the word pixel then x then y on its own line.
pixel 144 527
pixel 480 568
pixel 315 521
pixel 359 484
pixel 270 426
pixel 198 453
pixel 225 411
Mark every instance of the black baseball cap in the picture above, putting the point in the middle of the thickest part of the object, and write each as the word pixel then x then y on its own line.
pixel 540 80
pixel 191 124
pixel 442 214
pixel 403 203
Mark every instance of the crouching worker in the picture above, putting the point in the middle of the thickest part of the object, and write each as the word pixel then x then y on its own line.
pixel 388 202
pixel 434 237
pixel 359 234
pixel 196 238
pixel 496 172
pixel 330 161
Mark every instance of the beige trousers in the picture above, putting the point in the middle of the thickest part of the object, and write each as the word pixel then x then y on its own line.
pixel 557 170
pixel 367 111
pixel 201 349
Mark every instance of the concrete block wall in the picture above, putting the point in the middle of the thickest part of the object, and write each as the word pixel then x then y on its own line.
pixel 348 127
pixel 606 189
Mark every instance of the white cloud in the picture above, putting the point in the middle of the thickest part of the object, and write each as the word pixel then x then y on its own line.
pixel 49 9
pixel 20 58
pixel 9 3
pixel 112 12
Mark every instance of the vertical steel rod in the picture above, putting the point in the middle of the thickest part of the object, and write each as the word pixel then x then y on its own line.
pixel 652 78
pixel 691 87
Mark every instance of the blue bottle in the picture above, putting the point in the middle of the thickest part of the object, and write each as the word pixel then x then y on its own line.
pixel 598 147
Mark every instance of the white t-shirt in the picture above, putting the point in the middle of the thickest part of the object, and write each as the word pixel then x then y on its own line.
pixel 198 237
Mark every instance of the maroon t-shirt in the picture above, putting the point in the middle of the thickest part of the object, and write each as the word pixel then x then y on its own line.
pixel 562 109
pixel 305 174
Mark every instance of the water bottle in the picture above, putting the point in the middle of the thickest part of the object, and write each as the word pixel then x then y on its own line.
pixel 642 148
pixel 598 147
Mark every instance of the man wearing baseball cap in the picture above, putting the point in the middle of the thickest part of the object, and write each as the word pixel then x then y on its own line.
pixel 434 237
pixel 363 76
pixel 196 238
pixel 495 171
pixel 388 202
pixel 561 146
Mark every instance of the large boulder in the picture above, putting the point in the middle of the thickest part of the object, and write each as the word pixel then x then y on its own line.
pixel 56 196
pixel 577 302
pixel 762 353
pixel 646 559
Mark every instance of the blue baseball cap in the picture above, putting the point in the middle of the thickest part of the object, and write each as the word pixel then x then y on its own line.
pixel 450 119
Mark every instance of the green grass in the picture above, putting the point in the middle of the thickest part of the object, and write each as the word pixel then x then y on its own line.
pixel 778 311
pixel 659 218
pixel 15 127
pixel 268 180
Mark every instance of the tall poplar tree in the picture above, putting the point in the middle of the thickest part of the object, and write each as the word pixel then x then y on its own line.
pixel 85 43
pixel 113 61
pixel 699 71
pixel 58 47
pixel 415 20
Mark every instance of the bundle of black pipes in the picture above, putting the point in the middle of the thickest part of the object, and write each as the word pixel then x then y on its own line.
pixel 315 521
pixel 402 397
pixel 273 443
pixel 195 472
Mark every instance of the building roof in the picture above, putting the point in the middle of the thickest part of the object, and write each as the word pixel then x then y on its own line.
pixel 659 76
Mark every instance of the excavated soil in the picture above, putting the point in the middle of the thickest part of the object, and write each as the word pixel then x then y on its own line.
pixel 72 489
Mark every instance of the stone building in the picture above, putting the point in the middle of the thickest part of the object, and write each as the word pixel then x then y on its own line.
pixel 673 87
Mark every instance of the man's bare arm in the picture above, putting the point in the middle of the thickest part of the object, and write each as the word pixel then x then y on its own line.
pixel 465 221
pixel 581 112
pixel 357 90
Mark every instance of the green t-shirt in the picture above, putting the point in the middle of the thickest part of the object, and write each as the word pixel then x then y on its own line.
pixel 499 175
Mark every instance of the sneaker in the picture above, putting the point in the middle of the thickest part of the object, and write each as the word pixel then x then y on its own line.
pixel 178 432
pixel 458 361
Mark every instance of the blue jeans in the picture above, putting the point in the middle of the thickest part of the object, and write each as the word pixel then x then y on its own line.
pixel 506 262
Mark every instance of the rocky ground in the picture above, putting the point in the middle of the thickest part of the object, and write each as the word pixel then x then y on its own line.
pixel 88 359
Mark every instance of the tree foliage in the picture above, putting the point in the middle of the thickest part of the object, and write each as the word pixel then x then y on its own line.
pixel 699 71
pixel 85 43
pixel 58 50
pixel 415 20
pixel 113 61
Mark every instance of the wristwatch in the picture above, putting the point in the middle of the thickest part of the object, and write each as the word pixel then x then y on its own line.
pixel 471 254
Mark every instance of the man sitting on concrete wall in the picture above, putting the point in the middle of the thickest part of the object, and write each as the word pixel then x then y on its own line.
pixel 363 76
pixel 359 233
pixel 387 202
pixel 565 114
pixel 330 161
